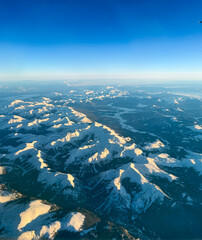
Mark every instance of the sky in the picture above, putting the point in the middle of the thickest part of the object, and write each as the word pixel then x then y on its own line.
pixel 100 39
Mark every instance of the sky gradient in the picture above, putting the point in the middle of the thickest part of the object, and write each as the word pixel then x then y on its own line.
pixel 100 39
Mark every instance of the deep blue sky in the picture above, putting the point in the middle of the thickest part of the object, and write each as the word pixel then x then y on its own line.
pixel 55 39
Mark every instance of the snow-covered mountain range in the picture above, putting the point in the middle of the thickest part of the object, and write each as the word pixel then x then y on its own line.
pixel 61 168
